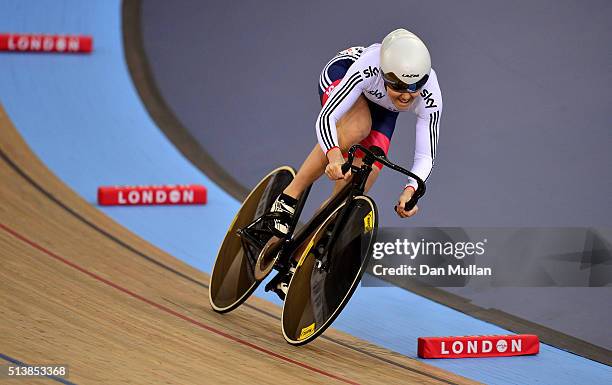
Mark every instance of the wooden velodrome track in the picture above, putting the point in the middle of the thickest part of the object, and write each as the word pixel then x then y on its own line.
pixel 77 288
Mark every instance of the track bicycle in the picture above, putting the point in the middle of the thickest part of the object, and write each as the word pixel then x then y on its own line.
pixel 329 252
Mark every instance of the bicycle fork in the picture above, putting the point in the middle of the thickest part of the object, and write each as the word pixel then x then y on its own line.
pixel 363 173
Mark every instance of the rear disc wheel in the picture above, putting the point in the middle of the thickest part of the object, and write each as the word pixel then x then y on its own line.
pixel 233 280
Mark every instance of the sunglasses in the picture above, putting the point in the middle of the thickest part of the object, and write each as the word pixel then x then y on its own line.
pixel 397 85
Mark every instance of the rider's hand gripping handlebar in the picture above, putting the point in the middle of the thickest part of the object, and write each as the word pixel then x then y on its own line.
pixel 375 154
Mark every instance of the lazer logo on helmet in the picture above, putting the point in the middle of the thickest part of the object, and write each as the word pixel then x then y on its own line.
pixel 410 75
pixel 369 72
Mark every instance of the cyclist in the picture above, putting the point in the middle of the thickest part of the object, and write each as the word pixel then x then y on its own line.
pixel 362 90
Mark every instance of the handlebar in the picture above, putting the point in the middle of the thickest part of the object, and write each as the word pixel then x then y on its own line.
pixel 376 154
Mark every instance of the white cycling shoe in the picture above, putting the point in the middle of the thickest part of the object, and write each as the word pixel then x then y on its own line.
pixel 280 205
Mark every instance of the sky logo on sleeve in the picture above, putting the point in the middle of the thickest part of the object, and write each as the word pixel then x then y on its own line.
pixel 428 98
pixel 369 72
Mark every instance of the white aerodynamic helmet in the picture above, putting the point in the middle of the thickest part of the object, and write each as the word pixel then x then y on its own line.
pixel 404 61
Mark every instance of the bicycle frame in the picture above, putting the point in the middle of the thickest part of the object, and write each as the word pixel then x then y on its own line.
pixel 354 188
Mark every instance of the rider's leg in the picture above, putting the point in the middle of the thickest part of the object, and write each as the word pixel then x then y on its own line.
pixel 383 125
pixel 353 127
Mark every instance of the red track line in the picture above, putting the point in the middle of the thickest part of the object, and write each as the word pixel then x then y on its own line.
pixel 170 311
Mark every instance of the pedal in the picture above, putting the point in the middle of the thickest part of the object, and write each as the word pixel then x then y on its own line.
pixel 280 283
pixel 322 266
pixel 282 273
pixel 274 281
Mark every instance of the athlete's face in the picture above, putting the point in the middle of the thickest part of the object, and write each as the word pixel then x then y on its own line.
pixel 402 100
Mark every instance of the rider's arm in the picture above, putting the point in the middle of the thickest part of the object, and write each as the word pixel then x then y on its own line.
pixel 429 114
pixel 340 101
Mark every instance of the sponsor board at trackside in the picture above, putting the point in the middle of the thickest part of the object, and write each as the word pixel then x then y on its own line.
pixel 152 195
pixel 478 346
pixel 19 42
